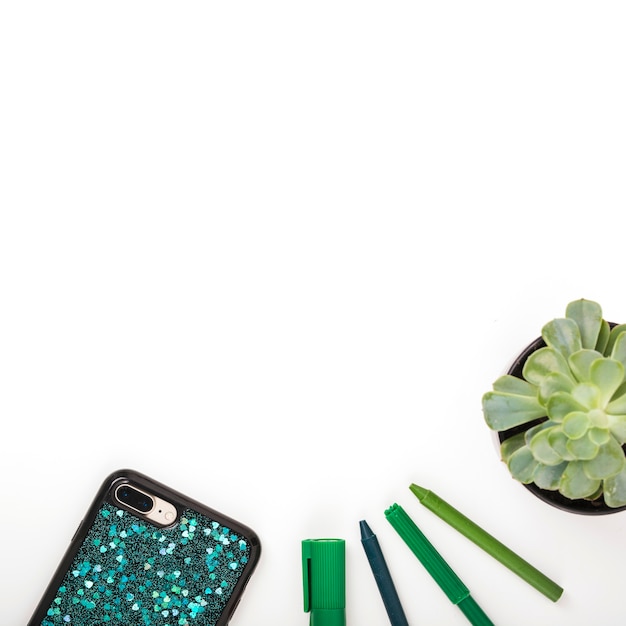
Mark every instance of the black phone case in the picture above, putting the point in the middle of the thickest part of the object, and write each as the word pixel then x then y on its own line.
pixel 122 569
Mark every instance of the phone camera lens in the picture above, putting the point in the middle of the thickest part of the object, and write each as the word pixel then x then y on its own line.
pixel 134 498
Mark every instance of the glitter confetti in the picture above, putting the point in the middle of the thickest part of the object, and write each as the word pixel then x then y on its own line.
pixel 128 571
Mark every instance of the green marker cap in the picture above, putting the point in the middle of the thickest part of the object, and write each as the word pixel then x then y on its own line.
pixel 324 581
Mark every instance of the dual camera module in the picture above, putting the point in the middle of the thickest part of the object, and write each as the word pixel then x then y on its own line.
pixel 153 508
pixel 134 498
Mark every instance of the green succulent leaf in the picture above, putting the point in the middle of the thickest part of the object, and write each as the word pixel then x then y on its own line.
pixel 617 405
pixel 583 449
pixel 615 490
pixel 563 335
pixel 511 445
pixel 551 384
pixel 608 461
pixel 543 362
pixel 562 404
pixel 505 410
pixel 522 465
pixel 575 483
pixel 597 493
pixel 617 427
pixel 603 338
pixel 621 390
pixel 515 385
pixel 580 363
pixel 607 375
pixel 618 349
pixel 615 332
pixel 587 315
pixel 576 424
pixel 549 476
pixel 531 432
pixel 542 450
pixel 587 395
pixel 559 441
pixel 599 435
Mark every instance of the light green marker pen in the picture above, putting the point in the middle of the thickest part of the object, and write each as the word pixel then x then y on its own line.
pixel 487 542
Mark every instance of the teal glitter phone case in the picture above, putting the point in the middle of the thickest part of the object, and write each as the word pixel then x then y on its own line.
pixel 123 569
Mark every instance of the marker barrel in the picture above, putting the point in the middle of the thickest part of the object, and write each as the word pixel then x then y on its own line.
pixel 436 566
pixel 488 543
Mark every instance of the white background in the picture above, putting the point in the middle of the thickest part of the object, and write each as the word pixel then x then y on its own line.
pixel 273 253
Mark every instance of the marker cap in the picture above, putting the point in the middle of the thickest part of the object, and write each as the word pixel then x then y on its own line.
pixel 324 581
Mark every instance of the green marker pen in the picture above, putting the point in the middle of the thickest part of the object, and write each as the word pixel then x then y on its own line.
pixel 487 542
pixel 324 581
pixel 435 565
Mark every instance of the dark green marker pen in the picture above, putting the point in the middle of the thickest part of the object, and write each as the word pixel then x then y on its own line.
pixel 434 563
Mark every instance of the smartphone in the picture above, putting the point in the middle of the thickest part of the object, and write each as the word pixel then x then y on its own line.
pixel 145 554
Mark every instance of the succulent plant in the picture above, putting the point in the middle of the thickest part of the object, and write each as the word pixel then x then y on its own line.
pixel 573 398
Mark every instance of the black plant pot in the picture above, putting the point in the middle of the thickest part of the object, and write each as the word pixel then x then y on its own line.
pixel 583 507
